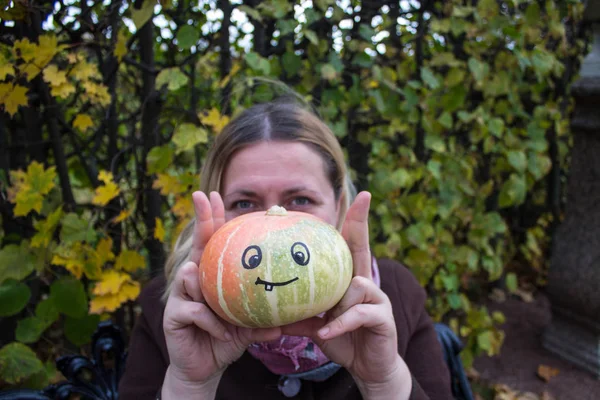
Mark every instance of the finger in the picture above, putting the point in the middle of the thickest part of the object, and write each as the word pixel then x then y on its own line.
pixel 263 334
pixel 218 210
pixel 356 232
pixel 372 316
pixel 361 291
pixel 185 313
pixel 203 227
pixel 307 327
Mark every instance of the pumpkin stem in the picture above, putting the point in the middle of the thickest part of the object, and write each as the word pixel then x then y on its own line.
pixel 277 210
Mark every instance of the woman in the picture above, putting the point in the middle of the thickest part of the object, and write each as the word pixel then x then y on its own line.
pixel 377 343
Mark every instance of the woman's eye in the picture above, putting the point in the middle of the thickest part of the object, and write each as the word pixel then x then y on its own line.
pixel 301 201
pixel 243 204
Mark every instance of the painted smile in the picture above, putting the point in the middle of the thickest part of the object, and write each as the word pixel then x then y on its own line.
pixel 269 285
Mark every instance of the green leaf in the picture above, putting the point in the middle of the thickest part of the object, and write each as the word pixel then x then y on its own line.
pixel 69 297
pixel 435 143
pixel 16 262
pixel 328 72
pixel 446 120
pixel 14 296
pixel 484 340
pixel 532 14
pixel 291 63
pixel 543 61
pixel 511 282
pixel 75 228
pixel 252 12
pixel 79 331
pixel 496 127
pixel 454 301
pixel 429 78
pixel 159 159
pixel 187 136
pixel 312 37
pixel 29 329
pixel 539 165
pixel 18 362
pixel 141 16
pixel 47 312
pixel 187 36
pixel 479 69
pixel 517 159
pixel 258 63
pixel 172 77
pixel 513 191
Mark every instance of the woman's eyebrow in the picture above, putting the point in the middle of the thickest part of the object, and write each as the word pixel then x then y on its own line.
pixel 241 192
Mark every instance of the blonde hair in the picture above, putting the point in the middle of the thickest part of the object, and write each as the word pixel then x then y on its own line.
pixel 274 121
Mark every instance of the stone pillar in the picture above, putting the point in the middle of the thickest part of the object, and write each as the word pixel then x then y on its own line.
pixel 574 276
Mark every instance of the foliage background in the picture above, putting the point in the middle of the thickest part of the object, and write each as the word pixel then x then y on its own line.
pixel 454 114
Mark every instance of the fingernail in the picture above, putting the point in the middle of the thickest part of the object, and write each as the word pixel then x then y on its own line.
pixel 323 331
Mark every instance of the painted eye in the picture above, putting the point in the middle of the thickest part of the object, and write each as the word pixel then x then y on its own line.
pixel 300 253
pixel 252 257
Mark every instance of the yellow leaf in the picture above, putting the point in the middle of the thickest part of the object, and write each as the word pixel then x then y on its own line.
pixel 107 192
pixel 234 70
pixel 6 68
pixel 123 215
pixel 110 302
pixel 183 207
pixel 104 251
pixel 130 261
pixel 29 188
pixel 72 258
pixel 12 97
pixel 45 229
pixel 83 122
pixel 167 184
pixel 96 93
pixel 24 50
pixel 54 76
pixel 121 46
pixel 63 91
pixel 159 230
pixel 110 282
pixel 214 119
pixel 83 71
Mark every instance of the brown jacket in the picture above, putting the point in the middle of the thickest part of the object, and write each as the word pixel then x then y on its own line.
pixel 247 378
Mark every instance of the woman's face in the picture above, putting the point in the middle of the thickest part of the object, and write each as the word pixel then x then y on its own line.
pixel 288 174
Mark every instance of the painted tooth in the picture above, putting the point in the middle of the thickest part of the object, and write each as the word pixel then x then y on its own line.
pixel 269 288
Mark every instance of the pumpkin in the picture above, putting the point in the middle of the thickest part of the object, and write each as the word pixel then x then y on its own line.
pixel 275 268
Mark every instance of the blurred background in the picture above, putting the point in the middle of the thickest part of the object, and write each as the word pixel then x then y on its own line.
pixel 460 117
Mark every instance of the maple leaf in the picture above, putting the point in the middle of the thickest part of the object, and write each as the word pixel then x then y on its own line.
pixel 83 71
pixel 110 282
pixel 167 184
pixel 121 46
pixel 83 122
pixel 63 91
pixel 30 188
pixel 110 302
pixel 70 258
pixel 6 68
pixel 130 261
pixel 123 215
pixel 234 70
pixel 183 207
pixel 54 76
pixel 214 119
pixel 104 251
pixel 106 192
pixel 187 136
pixel 546 372
pixel 24 49
pixel 12 97
pixel 96 93
pixel 45 229
pixel 159 230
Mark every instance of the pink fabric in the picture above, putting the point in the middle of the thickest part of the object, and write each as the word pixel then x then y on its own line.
pixel 295 354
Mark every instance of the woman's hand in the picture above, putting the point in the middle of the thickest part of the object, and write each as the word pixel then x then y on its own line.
pixel 200 344
pixel 360 332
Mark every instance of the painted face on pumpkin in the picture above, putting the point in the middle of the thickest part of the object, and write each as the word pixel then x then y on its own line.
pixel 252 258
